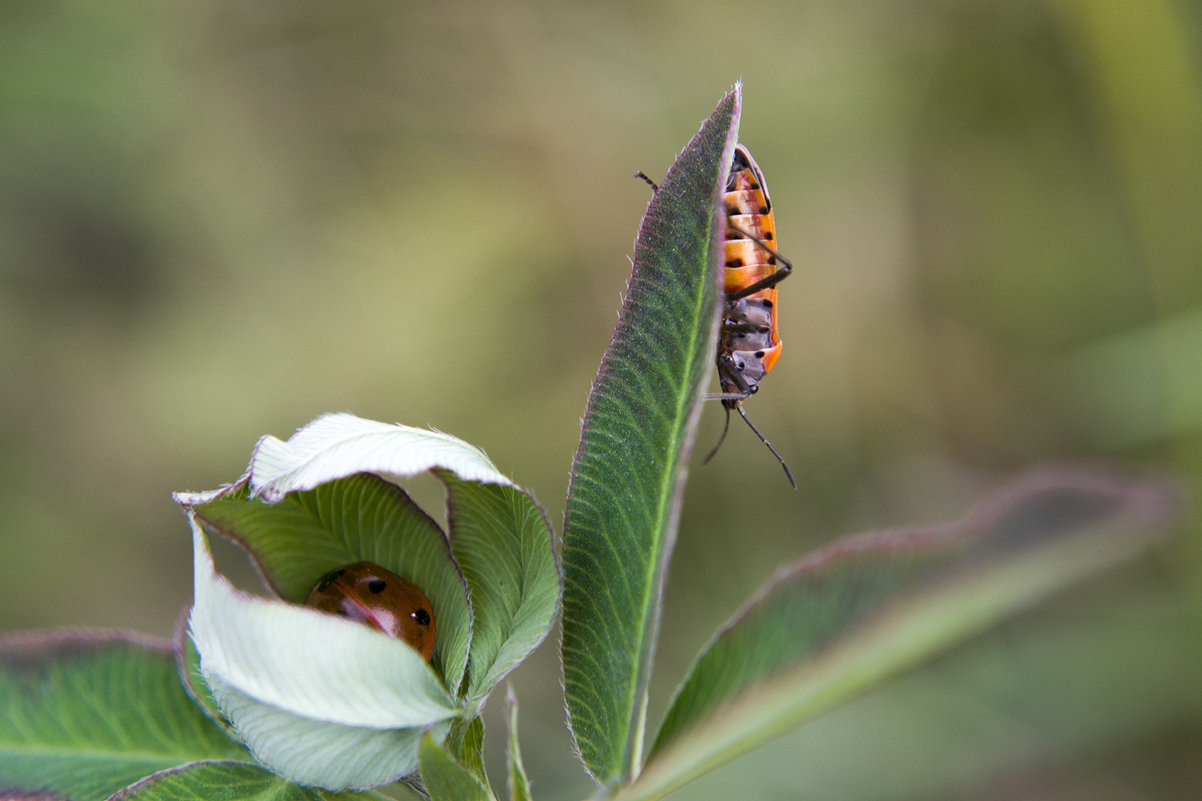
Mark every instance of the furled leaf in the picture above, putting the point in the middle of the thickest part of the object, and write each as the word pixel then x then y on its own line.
pixel 446 779
pixel 307 533
pixel 628 477
pixel 320 699
pixel 503 544
pixel 859 611
pixel 309 662
pixel 84 714
pixel 320 753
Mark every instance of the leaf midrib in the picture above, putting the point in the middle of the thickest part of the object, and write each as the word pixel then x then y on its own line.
pixel 658 569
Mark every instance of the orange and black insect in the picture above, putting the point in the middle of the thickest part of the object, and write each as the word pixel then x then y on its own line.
pixel 748 341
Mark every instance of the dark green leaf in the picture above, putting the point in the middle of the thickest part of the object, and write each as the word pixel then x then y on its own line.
pixel 84 714
pixel 218 781
pixel 503 544
pixel 628 476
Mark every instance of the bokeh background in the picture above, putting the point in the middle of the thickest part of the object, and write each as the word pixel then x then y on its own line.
pixel 218 220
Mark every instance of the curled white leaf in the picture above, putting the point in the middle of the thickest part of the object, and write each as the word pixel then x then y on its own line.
pixel 338 445
pixel 326 755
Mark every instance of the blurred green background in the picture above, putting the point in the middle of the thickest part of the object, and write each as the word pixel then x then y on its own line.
pixel 218 220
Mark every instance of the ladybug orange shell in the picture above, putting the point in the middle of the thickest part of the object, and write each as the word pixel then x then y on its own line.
pixel 369 594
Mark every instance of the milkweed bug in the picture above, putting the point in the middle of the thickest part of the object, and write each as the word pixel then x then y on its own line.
pixel 748 342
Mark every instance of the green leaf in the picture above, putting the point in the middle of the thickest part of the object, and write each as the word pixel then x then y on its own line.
pixel 446 779
pixel 628 477
pixel 84 714
pixel 519 784
pixel 300 538
pixel 503 544
pixel 320 699
pixel 217 780
pixel 861 610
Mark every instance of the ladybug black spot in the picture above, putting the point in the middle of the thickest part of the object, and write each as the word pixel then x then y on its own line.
pixel 732 263
pixel 422 617
pixel 377 586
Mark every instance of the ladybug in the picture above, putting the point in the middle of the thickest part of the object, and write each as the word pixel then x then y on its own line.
pixel 369 594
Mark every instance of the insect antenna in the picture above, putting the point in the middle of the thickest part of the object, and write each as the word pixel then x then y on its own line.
pixel 779 458
pixel 721 439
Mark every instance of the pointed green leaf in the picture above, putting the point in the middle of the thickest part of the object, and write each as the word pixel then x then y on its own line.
pixel 300 538
pixel 446 779
pixel 217 781
pixel 519 784
pixel 859 611
pixel 628 476
pixel 84 714
pixel 503 544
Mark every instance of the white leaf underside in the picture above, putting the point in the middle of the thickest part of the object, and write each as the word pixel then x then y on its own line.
pixel 338 445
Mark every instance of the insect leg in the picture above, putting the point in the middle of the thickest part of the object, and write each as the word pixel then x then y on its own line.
pixel 729 374
pixel 783 272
